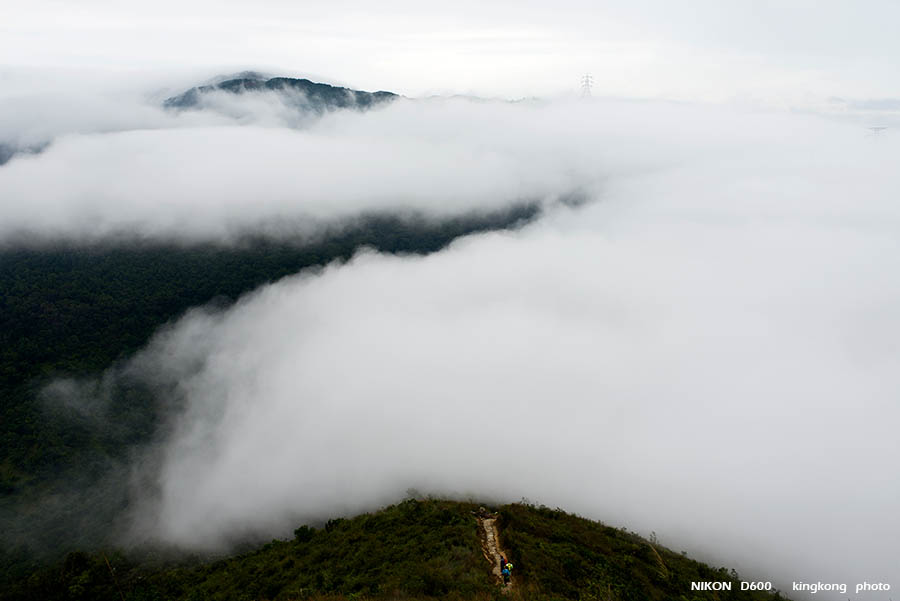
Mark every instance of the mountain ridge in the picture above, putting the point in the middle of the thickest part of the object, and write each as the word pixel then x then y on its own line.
pixel 319 97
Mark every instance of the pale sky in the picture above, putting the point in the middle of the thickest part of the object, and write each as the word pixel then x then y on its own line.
pixel 795 53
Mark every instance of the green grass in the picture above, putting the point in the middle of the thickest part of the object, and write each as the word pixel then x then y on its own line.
pixel 563 556
pixel 418 549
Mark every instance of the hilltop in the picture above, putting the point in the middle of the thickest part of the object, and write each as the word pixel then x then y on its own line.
pixel 303 93
pixel 413 550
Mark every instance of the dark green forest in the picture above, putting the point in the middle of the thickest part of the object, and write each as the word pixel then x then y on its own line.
pixel 73 310
pixel 418 549
pixel 70 309
pixel 309 95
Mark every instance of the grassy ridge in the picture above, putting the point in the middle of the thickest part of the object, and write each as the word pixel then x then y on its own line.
pixel 413 550
pixel 583 559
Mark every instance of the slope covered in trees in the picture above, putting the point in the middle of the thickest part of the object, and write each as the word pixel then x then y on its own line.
pixel 73 309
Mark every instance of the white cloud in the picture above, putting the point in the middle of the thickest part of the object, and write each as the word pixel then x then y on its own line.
pixel 250 161
pixel 708 351
pixel 175 179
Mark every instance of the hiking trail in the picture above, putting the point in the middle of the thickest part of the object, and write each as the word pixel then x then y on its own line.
pixel 490 545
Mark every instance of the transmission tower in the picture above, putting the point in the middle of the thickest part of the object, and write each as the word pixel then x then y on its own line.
pixel 586 83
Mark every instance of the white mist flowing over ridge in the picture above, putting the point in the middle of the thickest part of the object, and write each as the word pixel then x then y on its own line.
pixel 694 329
pixel 204 183
pixel 204 177
pixel 708 351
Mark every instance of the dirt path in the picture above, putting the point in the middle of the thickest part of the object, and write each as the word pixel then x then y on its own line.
pixel 490 546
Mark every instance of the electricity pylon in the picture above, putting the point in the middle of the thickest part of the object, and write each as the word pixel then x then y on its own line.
pixel 586 83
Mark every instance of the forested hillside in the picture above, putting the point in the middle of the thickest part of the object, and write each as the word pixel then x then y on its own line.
pixel 73 309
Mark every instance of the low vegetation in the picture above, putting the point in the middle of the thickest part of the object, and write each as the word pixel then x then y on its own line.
pixel 418 549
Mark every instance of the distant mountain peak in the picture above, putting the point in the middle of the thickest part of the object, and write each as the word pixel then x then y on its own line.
pixel 303 93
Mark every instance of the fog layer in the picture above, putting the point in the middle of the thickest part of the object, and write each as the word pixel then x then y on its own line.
pixel 249 161
pixel 213 174
pixel 708 350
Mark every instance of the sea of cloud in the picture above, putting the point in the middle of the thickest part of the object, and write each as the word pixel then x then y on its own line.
pixel 707 349
pixel 244 162
pixel 116 164
pixel 728 384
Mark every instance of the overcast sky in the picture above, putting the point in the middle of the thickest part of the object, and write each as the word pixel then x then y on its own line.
pixel 795 52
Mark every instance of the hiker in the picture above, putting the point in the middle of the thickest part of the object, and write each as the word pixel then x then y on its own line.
pixel 508 570
pixel 505 573
pixel 502 562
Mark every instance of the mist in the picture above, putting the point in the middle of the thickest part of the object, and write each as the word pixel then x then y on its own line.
pixel 681 313
pixel 212 183
pixel 707 349
pixel 250 162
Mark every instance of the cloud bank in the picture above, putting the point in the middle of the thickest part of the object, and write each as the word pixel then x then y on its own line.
pixel 253 162
pixel 708 350
pixel 209 182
